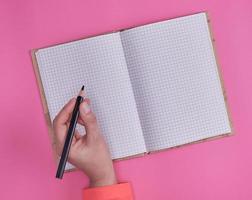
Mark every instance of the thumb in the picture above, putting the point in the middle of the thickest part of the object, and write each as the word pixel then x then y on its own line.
pixel 88 118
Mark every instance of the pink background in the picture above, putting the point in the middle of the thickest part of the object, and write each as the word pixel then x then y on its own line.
pixel 220 169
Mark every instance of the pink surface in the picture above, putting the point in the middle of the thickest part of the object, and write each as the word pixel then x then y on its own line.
pixel 220 169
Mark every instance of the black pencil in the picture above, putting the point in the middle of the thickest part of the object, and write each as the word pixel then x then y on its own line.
pixel 69 137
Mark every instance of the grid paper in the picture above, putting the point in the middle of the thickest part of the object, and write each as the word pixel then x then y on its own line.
pixel 100 65
pixel 175 80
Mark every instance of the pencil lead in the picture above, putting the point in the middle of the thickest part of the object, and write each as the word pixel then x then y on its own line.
pixel 82 88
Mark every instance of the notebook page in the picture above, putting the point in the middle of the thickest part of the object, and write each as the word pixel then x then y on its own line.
pixel 100 65
pixel 175 81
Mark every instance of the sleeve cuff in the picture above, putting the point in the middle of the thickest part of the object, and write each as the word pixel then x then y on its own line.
pixel 121 191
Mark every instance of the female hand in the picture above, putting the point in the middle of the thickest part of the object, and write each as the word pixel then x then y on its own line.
pixel 89 153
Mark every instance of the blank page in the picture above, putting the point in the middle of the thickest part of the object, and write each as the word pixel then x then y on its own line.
pixel 99 64
pixel 175 80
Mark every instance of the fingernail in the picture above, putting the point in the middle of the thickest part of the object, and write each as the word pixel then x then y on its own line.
pixel 85 108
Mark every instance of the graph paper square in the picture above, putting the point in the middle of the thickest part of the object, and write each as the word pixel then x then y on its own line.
pixel 99 64
pixel 175 80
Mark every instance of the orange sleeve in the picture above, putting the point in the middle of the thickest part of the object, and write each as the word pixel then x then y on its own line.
pixel 121 191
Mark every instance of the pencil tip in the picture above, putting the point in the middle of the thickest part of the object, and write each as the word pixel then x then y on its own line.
pixel 82 88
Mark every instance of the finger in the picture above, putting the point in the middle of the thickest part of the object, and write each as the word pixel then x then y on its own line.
pixel 64 115
pixel 61 122
pixel 77 135
pixel 88 101
pixel 80 121
pixel 88 118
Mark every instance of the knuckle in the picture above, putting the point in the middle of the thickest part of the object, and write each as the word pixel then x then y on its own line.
pixel 92 119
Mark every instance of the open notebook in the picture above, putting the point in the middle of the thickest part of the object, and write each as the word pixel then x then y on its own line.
pixel 152 87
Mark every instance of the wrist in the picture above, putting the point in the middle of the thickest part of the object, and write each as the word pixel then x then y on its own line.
pixel 108 179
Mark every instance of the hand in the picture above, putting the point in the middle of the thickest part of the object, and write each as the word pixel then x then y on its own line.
pixel 89 153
